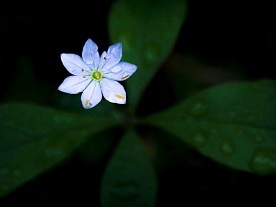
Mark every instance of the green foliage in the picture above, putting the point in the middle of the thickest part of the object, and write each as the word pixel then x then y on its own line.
pixel 129 179
pixel 35 138
pixel 233 124
pixel 148 31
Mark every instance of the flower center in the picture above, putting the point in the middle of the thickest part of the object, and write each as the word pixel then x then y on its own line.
pixel 96 75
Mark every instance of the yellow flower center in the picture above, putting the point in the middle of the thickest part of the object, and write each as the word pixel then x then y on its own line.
pixel 96 75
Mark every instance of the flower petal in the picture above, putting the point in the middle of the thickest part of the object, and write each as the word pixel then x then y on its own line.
pixel 111 57
pixel 121 71
pixel 92 95
pixel 90 54
pixel 113 91
pixel 74 84
pixel 74 64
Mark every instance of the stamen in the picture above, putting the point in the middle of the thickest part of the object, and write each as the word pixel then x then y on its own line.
pixel 119 96
pixel 86 102
pixel 84 76
pixel 124 77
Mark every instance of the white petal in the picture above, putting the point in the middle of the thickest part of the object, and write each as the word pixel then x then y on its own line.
pixel 74 64
pixel 112 57
pixel 90 54
pixel 121 71
pixel 92 95
pixel 113 91
pixel 74 84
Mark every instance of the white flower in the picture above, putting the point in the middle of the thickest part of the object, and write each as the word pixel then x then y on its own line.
pixel 96 75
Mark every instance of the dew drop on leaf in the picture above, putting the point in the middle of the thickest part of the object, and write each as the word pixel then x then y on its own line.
pixel 199 139
pixel 124 191
pixel 198 108
pixel 264 161
pixel 227 147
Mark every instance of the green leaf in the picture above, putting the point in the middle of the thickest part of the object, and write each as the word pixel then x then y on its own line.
pixel 233 123
pixel 129 178
pixel 35 138
pixel 148 30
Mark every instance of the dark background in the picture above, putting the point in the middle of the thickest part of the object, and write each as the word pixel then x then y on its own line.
pixel 217 33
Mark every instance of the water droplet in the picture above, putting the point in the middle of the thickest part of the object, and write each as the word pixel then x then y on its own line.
pixel 198 108
pixel 264 161
pixel 227 147
pixel 199 139
pixel 126 191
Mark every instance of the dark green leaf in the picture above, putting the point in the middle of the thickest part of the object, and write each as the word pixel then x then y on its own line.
pixel 129 179
pixel 34 138
pixel 234 124
pixel 148 30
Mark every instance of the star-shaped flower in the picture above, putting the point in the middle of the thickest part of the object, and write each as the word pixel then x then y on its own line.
pixel 96 75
